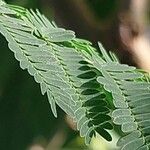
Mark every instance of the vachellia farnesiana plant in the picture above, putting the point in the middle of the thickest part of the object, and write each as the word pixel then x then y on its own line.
pixel 91 87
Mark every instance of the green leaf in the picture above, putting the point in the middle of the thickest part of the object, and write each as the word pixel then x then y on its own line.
pixel 55 59
pixel 130 92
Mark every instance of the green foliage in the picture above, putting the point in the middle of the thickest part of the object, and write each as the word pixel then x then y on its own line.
pixel 131 98
pixel 94 89
pixel 38 46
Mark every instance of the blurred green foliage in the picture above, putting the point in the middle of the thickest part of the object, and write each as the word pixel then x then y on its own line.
pixel 103 9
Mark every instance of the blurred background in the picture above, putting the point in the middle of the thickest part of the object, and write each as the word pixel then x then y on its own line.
pixel 26 121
